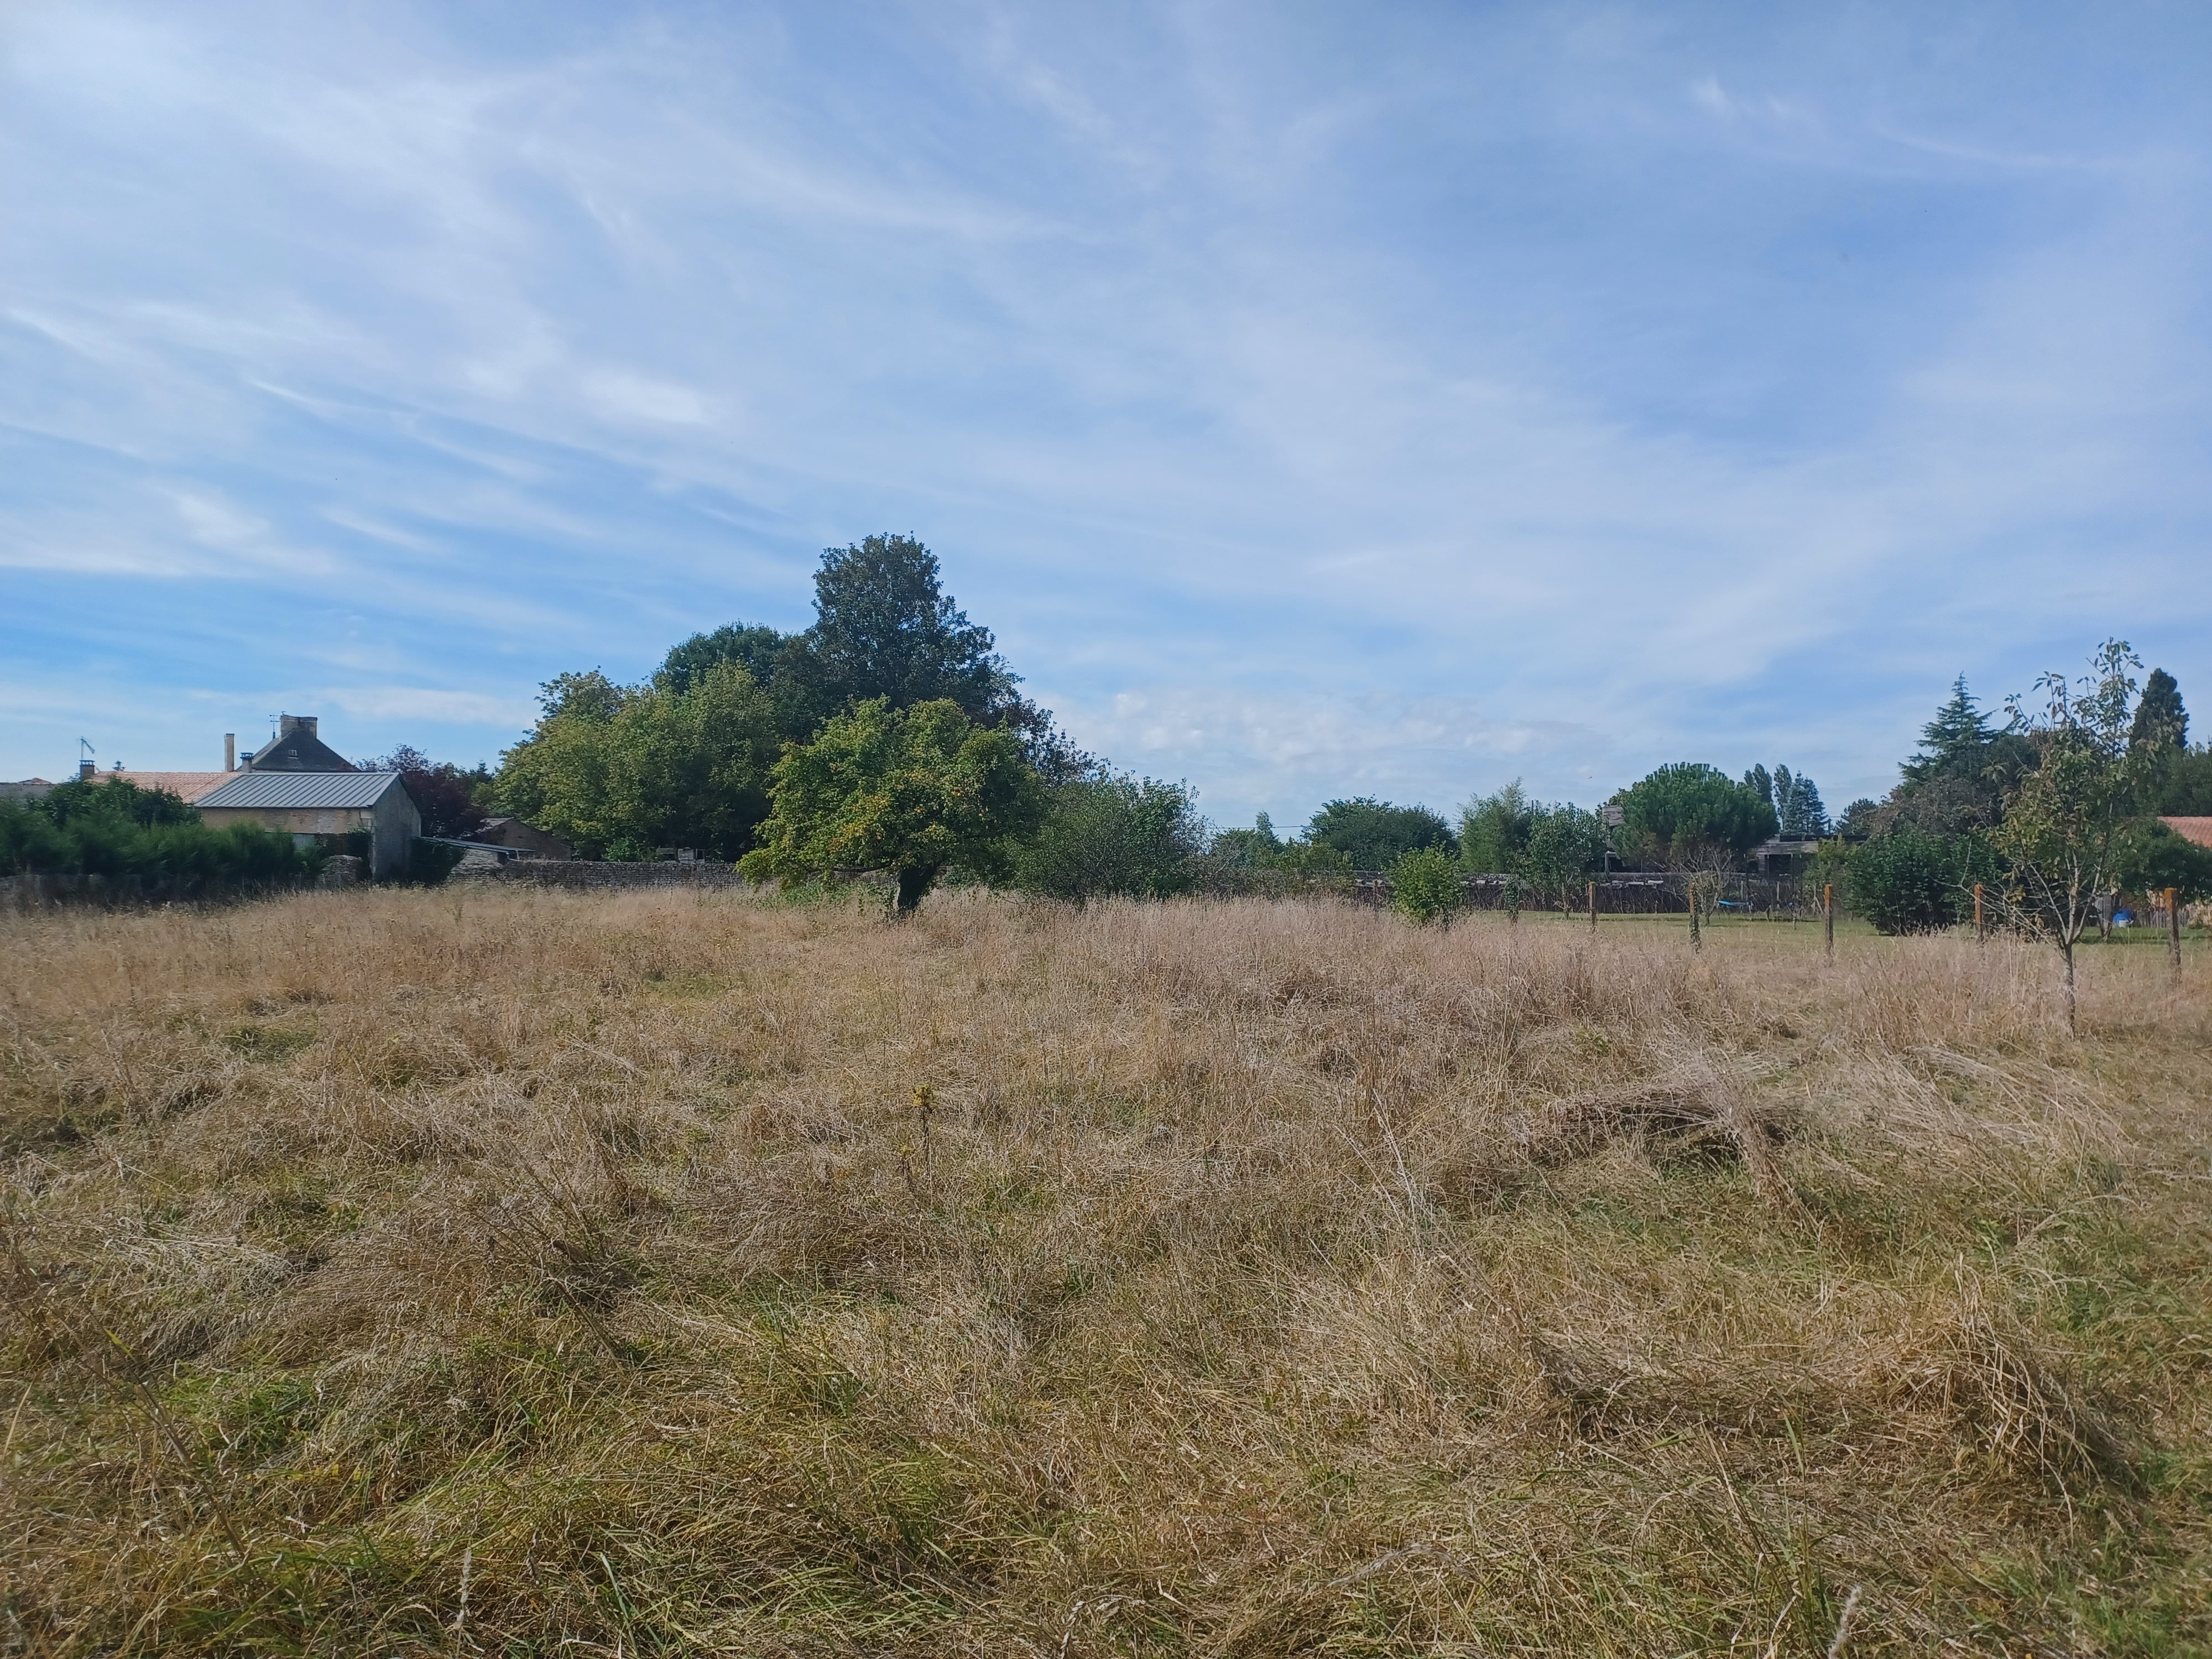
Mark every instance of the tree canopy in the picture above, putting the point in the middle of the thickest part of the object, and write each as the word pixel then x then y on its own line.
pixel 1549 847
pixel 759 650
pixel 451 800
pixel 2160 722
pixel 1952 742
pixel 623 772
pixel 1374 834
pixel 884 627
pixel 1688 815
pixel 1494 831
pixel 910 791
pixel 1795 798
pixel 1958 779
pixel 1131 836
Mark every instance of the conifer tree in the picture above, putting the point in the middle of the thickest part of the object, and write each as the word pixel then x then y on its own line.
pixel 2161 721
pixel 1952 740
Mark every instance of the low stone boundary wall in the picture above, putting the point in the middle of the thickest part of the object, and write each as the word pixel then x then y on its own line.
pixel 580 872
pixel 39 892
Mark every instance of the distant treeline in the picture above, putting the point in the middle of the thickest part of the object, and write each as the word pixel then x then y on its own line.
pixel 891 736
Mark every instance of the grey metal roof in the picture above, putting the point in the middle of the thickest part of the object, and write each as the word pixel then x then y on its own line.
pixel 328 790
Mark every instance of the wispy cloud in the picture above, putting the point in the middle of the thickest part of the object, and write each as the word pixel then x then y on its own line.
pixel 1311 403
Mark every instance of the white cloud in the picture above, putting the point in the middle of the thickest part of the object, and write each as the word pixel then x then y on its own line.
pixel 411 706
pixel 1403 401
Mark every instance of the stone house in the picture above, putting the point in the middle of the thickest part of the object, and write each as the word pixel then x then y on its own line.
pixel 295 748
pixel 323 805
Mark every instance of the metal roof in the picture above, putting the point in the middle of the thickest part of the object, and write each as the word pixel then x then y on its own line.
pixel 326 790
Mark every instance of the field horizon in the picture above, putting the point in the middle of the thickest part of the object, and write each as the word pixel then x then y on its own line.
pixel 501 1271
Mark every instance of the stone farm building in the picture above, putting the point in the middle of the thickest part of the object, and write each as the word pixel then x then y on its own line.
pixel 299 784
pixel 324 804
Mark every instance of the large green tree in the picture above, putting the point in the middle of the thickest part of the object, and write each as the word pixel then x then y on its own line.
pixel 1494 831
pixel 2161 722
pixel 1550 847
pixel 1953 742
pixel 1374 834
pixel 1565 844
pixel 2151 858
pixel 885 627
pixel 911 791
pixel 1689 816
pixel 1956 783
pixel 623 771
pixel 759 650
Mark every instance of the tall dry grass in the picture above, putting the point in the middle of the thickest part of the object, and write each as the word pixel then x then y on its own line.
pixel 532 1272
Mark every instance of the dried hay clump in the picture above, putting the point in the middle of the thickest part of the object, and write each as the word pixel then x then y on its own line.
pixel 395 1272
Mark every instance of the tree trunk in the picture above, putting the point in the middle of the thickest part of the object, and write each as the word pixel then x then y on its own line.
pixel 914 882
pixel 2072 1029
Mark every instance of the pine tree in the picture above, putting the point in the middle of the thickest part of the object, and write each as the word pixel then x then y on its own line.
pixel 2161 721
pixel 1797 805
pixel 1950 742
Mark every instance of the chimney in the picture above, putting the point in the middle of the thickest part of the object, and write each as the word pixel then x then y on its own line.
pixel 87 769
pixel 230 751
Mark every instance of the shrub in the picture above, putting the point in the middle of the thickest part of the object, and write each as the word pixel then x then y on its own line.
pixel 1425 883
pixel 2152 857
pixel 1127 835
pixel 1911 881
pixel 116 828
pixel 430 862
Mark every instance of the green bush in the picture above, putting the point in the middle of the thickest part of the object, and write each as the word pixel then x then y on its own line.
pixel 1132 836
pixel 1425 883
pixel 2152 857
pixel 113 827
pixel 1374 834
pixel 430 862
pixel 1912 882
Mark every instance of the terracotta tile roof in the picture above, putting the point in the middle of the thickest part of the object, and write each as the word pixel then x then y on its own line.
pixel 191 785
pixel 2197 830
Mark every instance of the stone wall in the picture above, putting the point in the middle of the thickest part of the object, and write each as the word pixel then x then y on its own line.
pixel 35 893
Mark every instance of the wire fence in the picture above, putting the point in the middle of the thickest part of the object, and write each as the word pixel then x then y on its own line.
pixel 1630 893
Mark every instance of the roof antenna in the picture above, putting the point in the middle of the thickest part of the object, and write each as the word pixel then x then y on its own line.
pixel 86 766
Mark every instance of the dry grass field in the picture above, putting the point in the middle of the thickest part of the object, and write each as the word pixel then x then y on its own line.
pixel 511 1273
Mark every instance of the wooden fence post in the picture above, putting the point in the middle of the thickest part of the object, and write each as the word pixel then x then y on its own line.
pixel 2173 929
pixel 1829 915
pixel 1981 923
pixel 1593 906
pixel 1697 942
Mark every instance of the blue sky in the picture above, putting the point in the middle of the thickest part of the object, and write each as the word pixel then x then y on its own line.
pixel 1315 400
